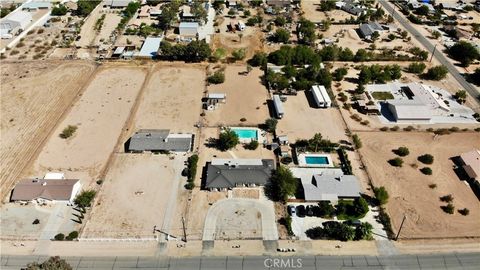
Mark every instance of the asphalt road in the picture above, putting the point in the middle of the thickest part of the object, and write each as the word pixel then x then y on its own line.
pixel 430 47
pixel 438 261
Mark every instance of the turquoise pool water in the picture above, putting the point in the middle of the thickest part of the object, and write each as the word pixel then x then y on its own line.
pixel 316 160
pixel 246 133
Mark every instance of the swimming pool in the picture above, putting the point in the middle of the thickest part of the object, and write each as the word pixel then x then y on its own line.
pixel 246 133
pixel 323 160
pixel 318 160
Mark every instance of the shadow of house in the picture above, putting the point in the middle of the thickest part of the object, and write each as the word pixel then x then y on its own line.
pixel 386 112
pixel 271 109
pixel 310 99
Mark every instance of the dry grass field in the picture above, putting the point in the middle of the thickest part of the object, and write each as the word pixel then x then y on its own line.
pixel 409 189
pixel 302 120
pixel 172 99
pixel 246 98
pixel 99 115
pixel 135 196
pixel 34 96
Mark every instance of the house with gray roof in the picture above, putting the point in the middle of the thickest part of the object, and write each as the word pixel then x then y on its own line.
pixel 222 174
pixel 367 29
pixel 159 140
pixel 331 188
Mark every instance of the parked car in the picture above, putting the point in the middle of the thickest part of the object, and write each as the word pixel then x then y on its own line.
pixel 291 210
pixel 301 211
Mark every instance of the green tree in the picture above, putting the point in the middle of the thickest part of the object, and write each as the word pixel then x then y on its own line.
pixel 364 231
pixel 402 151
pixel 252 145
pixel 423 10
pixel 216 78
pixel 339 73
pixel 258 60
pixel 375 35
pixel 59 10
pixel 281 35
pixel 475 76
pixel 396 162
pixel 239 54
pixel 381 195
pixel 197 51
pixel 436 73
pixel 426 159
pixel 85 198
pixel 271 124
pixel 359 207
pixel 327 5
pixel 280 21
pixel 461 96
pixel 426 171
pixel 199 11
pixel 85 7
pixel 59 237
pixel 416 68
pixel 282 185
pixel 464 52
pixel 227 140
pixel 53 263
pixel 436 34
pixel 306 31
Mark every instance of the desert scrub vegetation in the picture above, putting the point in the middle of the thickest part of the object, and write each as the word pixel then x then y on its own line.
pixel 68 132
pixel 396 162
pixel 426 159
pixel 402 151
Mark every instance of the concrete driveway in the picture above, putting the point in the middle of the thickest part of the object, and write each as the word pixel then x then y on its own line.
pixel 265 208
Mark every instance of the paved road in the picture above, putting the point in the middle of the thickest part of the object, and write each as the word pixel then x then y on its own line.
pixel 445 261
pixel 429 46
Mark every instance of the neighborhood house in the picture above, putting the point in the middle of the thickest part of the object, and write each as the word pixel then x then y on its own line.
pixel 158 140
pixel 46 190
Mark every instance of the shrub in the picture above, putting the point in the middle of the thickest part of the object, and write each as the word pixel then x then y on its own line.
pixel 409 128
pixel 252 145
pixel 68 132
pixel 239 54
pixel 426 159
pixel 447 198
pixel 192 167
pixel 464 211
pixel 59 237
pixel 449 208
pixel 395 128
pixel 381 195
pixel 271 124
pixel 416 68
pixel 384 219
pixel 243 119
pixel 396 162
pixel 426 171
pixel 356 141
pixel 442 131
pixel 189 185
pixel 72 235
pixel 216 78
pixel 436 73
pixel 402 151
pixel 85 198
pixel 384 129
pixel 36 221
pixel 432 186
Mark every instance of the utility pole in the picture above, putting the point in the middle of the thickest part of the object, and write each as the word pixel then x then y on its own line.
pixel 184 230
pixel 401 226
pixel 433 53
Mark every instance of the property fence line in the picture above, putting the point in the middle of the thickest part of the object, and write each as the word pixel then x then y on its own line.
pixel 131 239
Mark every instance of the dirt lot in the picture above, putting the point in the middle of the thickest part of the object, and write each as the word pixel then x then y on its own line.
pixel 409 188
pixel 172 99
pixel 33 98
pixel 109 24
pixel 302 120
pixel 99 115
pixel 246 98
pixel 134 197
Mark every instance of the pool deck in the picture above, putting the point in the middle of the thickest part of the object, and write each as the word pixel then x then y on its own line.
pixel 260 134
pixel 303 163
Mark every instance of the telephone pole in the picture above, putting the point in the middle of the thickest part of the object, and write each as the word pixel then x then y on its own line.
pixel 184 230
pixel 401 226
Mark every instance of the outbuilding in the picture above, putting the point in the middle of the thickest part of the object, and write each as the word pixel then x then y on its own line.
pixel 150 47
pixel 188 29
pixel 36 5
pixel 15 21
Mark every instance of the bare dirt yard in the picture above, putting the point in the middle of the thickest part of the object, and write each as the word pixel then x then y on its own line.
pixel 88 33
pixel 246 98
pixel 99 116
pixel 409 189
pixel 172 99
pixel 34 97
pixel 302 120
pixel 109 24
pixel 135 196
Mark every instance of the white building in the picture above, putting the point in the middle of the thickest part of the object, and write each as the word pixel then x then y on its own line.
pixel 321 97
pixel 15 22
pixel 188 29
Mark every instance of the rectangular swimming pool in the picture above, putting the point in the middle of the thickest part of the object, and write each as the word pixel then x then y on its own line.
pixel 246 133
pixel 316 160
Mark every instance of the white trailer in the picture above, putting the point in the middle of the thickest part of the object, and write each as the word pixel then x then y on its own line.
pixel 321 97
pixel 277 103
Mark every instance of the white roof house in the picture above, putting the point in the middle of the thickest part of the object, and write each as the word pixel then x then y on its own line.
pixel 471 162
pixel 117 3
pixel 18 20
pixel 150 47
pixel 188 29
pixel 36 5
pixel 321 97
